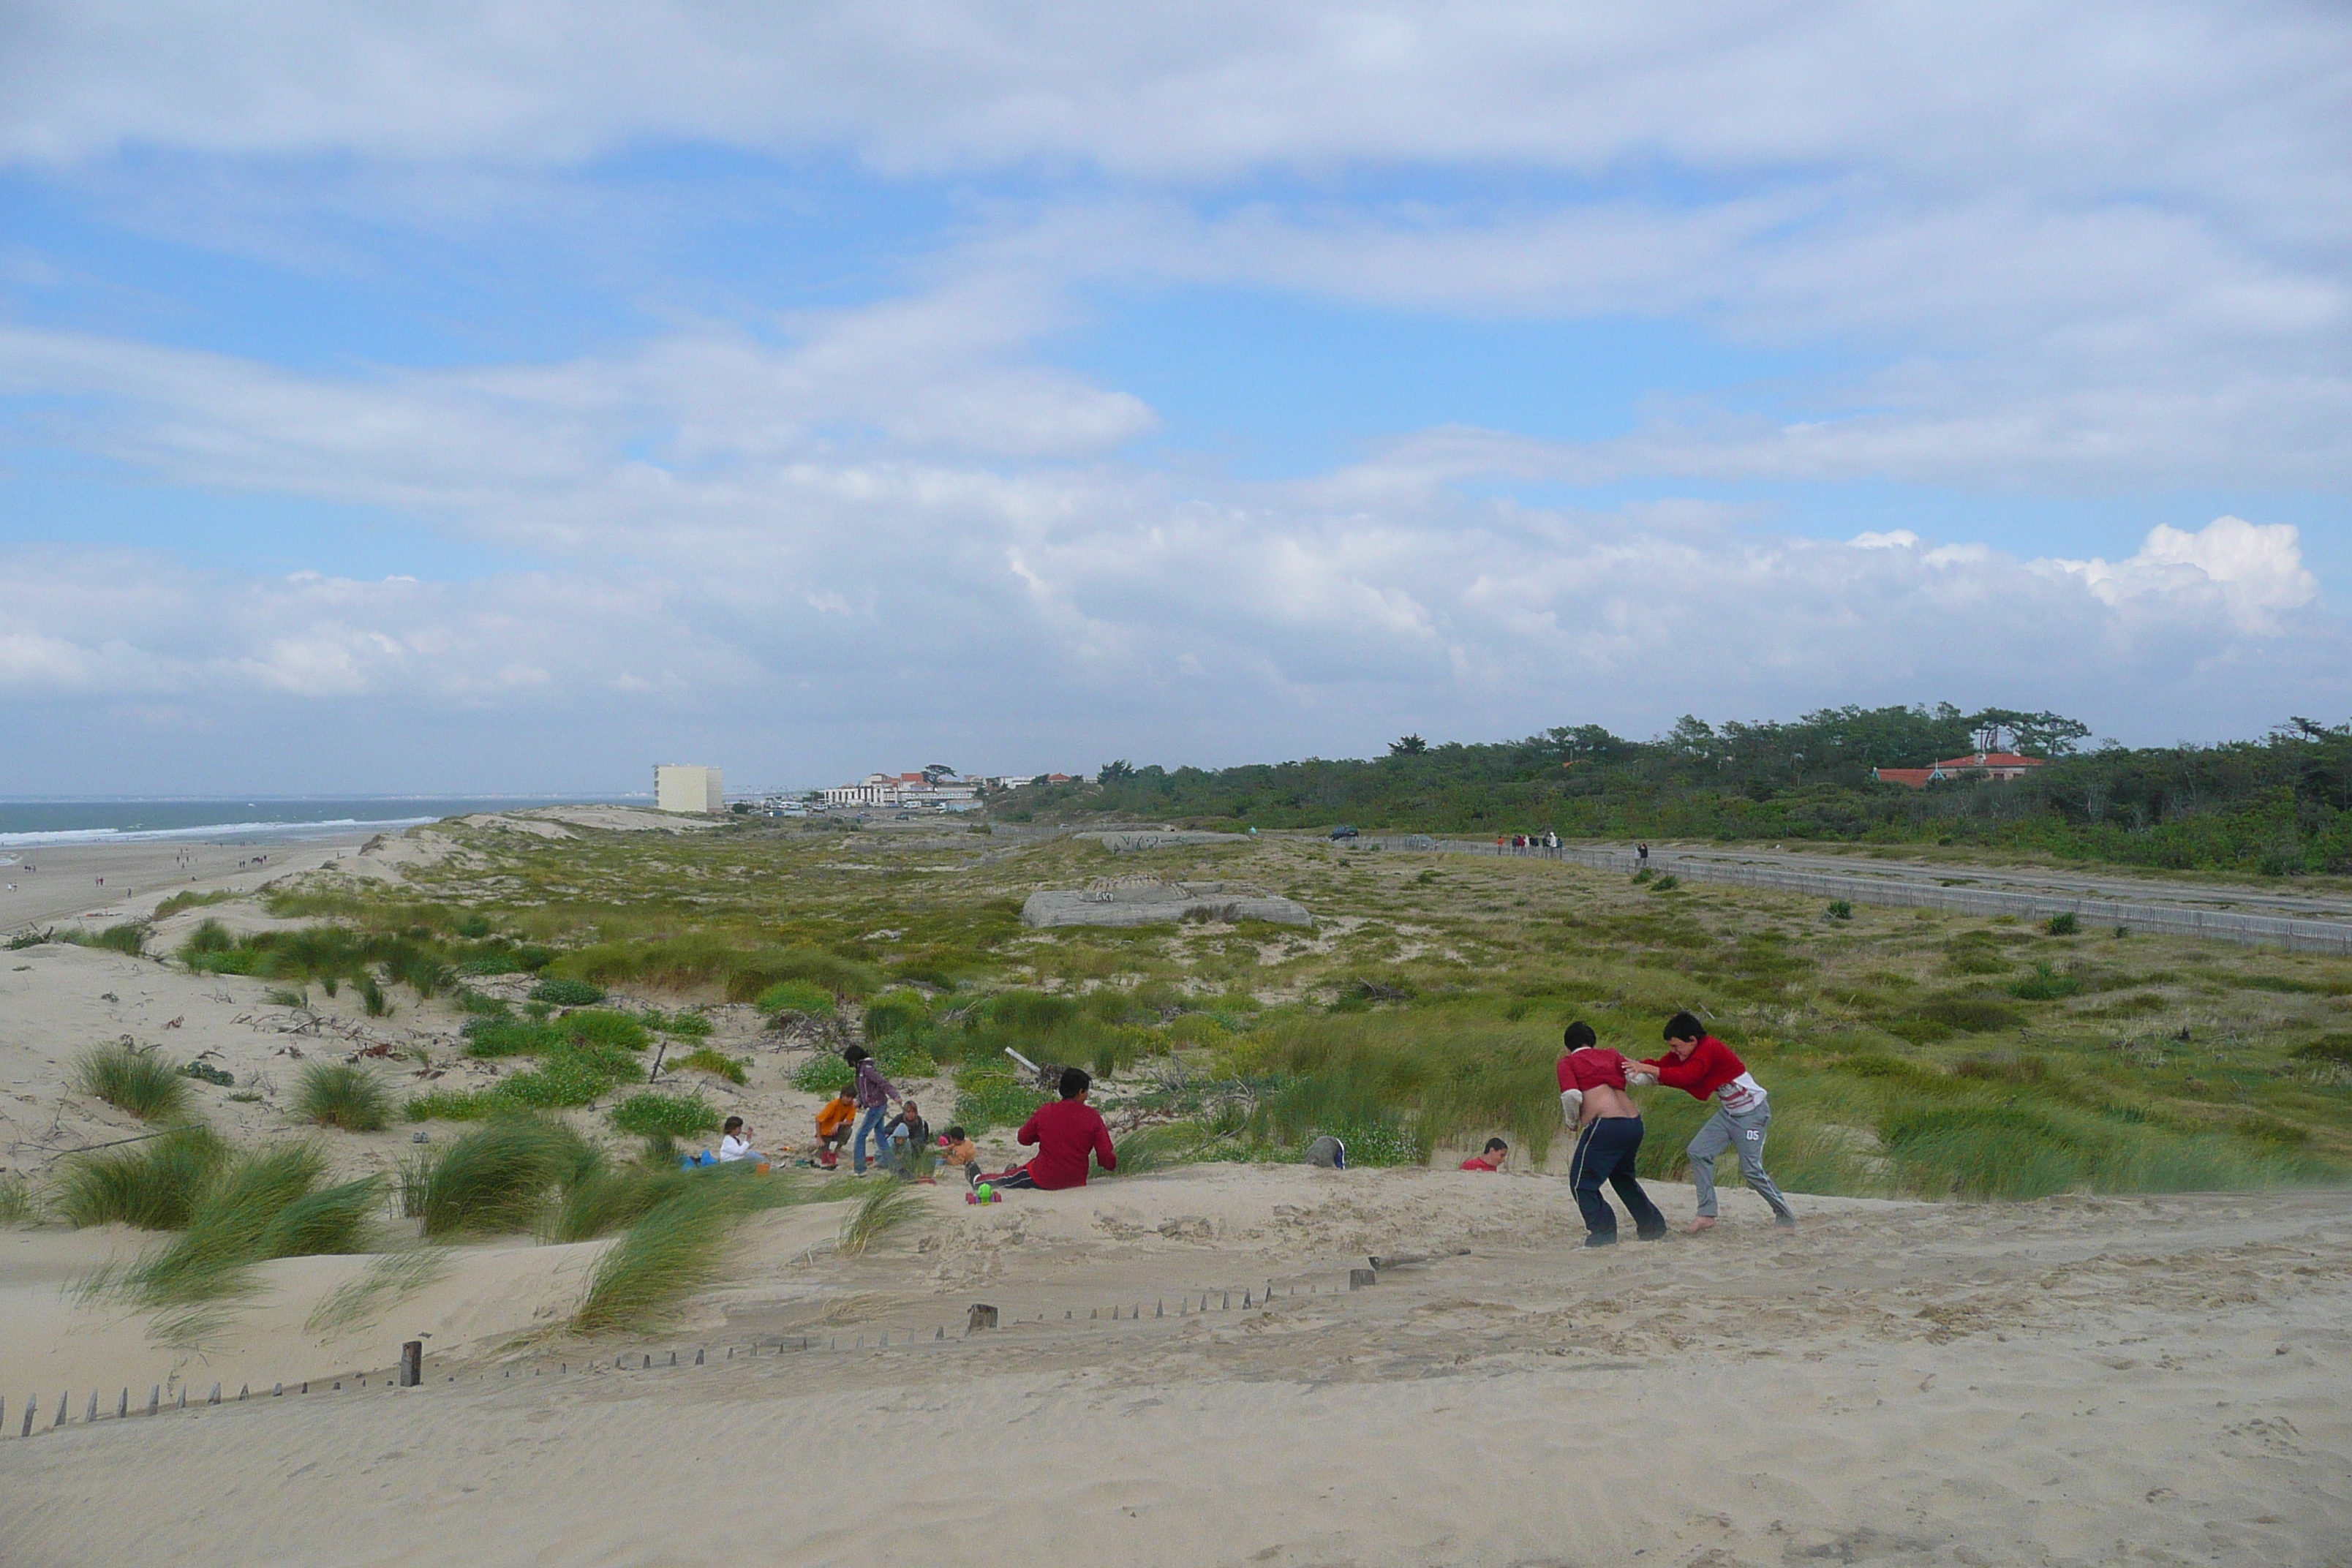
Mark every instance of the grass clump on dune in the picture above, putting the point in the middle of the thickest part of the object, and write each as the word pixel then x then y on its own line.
pixel 154 1185
pixel 886 1206
pixel 803 997
pixel 15 1200
pixel 672 1115
pixel 501 1176
pixel 140 1082
pixel 671 1251
pixel 344 1095
pixel 824 1073
pixel 561 993
pixel 718 1063
pixel 192 900
pixel 223 1234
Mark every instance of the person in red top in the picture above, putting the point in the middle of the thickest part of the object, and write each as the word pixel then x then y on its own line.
pixel 1492 1159
pixel 1592 1096
pixel 1063 1133
pixel 1702 1066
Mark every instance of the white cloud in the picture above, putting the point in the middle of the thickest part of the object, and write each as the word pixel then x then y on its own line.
pixel 2256 572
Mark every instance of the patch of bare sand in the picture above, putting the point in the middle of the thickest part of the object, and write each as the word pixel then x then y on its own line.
pixel 2077 1381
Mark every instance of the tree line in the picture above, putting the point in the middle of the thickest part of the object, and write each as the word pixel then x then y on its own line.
pixel 2280 805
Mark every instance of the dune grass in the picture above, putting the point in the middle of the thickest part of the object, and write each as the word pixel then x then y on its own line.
pixel 15 1200
pixel 672 1250
pixel 212 1257
pixel 154 1185
pixel 343 1095
pixel 386 1280
pixel 503 1176
pixel 886 1206
pixel 801 996
pixel 192 900
pixel 128 937
pixel 129 1078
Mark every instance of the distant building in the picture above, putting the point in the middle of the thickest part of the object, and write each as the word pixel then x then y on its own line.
pixel 2004 766
pixel 681 786
pixel 908 791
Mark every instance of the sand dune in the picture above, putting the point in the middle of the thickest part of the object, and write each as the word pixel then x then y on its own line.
pixel 2080 1380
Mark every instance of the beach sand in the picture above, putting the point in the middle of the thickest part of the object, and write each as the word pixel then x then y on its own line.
pixel 2080 1379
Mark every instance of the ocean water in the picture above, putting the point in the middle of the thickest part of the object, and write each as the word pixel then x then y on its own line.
pixel 33 823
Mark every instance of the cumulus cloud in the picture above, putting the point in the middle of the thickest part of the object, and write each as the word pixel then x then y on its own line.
pixel 2256 572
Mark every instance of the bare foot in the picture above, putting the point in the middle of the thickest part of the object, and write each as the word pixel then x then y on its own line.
pixel 1704 1223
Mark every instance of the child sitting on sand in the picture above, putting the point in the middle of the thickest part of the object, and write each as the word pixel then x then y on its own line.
pixel 956 1149
pixel 833 1120
pixel 735 1144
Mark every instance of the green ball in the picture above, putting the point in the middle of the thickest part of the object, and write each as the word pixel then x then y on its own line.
pixel 983 1190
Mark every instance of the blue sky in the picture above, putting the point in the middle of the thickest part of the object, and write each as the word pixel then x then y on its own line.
pixel 411 401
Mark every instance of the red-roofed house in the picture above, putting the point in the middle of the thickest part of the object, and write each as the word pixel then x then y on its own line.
pixel 2000 765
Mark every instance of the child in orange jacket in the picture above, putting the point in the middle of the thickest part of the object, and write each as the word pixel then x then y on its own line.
pixel 833 1122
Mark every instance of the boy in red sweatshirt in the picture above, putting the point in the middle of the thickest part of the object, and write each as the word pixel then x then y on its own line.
pixel 1702 1066
pixel 1063 1133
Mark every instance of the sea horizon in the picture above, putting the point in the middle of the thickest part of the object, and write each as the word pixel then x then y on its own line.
pixel 33 822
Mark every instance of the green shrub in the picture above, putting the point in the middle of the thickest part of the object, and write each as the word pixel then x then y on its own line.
pixel 991 1099
pixel 491 1038
pixel 450 1105
pixel 567 993
pixel 341 1094
pixel 130 937
pixel 1667 883
pixel 797 996
pixel 895 1012
pixel 192 900
pixel 2333 1047
pixel 474 927
pixel 565 1077
pixel 154 1185
pixel 205 1072
pixel 140 1082
pixel 705 1059
pixel 2045 985
pixel 1375 1144
pixel 2063 925
pixel 824 1073
pixel 1841 910
pixel 601 1027
pixel 477 1005
pixel 677 1116
pixel 685 1026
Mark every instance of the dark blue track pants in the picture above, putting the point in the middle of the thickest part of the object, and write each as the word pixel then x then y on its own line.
pixel 1604 1152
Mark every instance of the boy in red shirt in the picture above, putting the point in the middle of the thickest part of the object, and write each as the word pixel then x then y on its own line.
pixel 1702 1066
pixel 1063 1133
pixel 1592 1096
pixel 1492 1159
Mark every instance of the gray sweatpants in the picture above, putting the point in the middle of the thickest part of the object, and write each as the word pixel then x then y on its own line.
pixel 1743 1130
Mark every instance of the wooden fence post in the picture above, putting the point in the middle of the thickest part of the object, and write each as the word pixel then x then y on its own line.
pixel 983 1317
pixel 412 1364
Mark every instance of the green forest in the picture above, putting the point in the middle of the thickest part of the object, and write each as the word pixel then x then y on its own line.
pixel 2278 806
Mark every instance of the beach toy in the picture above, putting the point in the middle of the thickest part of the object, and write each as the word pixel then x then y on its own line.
pixel 984 1191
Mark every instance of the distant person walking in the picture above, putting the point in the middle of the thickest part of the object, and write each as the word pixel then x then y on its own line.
pixel 875 1094
pixel 1704 1068
pixel 1592 1097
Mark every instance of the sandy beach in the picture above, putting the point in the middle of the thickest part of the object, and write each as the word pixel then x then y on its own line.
pixel 96 884
pixel 2073 1381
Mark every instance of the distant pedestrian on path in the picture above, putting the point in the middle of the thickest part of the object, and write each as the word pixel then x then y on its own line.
pixel 1702 1066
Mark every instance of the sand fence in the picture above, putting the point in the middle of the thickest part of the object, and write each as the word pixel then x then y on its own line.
pixel 983 1325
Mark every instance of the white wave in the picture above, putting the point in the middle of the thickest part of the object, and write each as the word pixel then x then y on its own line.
pixel 212 830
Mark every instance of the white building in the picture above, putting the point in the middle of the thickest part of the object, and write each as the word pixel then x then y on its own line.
pixel 908 791
pixel 680 786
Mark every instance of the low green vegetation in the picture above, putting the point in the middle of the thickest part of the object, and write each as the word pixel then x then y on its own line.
pixel 560 992
pixel 194 900
pixel 270 1204
pixel 801 996
pixel 719 1064
pixel 670 1115
pixel 130 1078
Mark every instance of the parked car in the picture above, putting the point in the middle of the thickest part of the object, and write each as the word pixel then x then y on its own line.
pixel 1343 831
